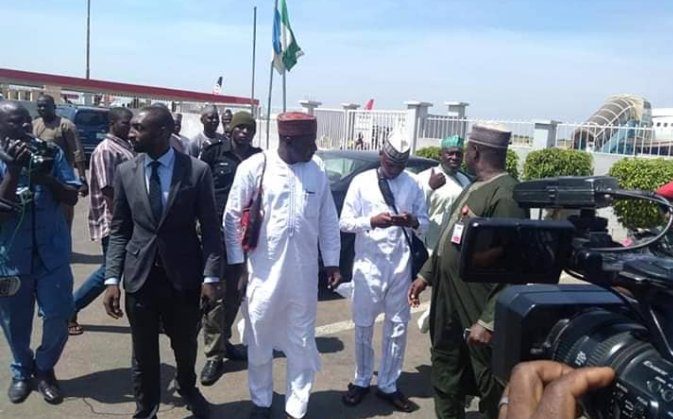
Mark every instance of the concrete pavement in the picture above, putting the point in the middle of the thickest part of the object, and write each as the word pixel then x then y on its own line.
pixel 95 368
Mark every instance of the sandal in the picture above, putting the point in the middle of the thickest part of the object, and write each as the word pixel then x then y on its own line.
pixel 354 395
pixel 398 400
pixel 74 328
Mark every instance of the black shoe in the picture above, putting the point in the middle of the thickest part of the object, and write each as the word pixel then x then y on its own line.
pixel 212 372
pixel 260 412
pixel 196 403
pixel 236 353
pixel 48 386
pixel 19 390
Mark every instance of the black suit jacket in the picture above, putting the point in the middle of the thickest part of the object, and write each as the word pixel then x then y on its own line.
pixel 135 237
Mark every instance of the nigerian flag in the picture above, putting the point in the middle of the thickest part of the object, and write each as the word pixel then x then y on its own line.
pixel 285 48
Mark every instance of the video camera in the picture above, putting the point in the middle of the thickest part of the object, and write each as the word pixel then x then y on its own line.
pixel 43 155
pixel 622 319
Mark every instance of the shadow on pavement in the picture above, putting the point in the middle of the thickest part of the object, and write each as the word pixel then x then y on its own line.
pixel 105 328
pixel 86 259
pixel 115 386
pixel 329 345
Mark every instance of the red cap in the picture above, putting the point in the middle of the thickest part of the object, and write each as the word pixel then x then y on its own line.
pixel 297 124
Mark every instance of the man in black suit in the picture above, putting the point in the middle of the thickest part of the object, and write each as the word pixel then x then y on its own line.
pixel 159 196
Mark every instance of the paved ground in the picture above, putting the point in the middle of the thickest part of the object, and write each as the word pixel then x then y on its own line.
pixel 95 368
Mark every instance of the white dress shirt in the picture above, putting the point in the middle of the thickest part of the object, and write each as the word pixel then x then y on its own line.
pixel 165 169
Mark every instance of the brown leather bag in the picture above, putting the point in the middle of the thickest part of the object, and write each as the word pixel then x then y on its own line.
pixel 251 219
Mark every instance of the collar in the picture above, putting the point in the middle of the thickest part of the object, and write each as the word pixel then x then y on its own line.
pixel 166 160
pixel 119 141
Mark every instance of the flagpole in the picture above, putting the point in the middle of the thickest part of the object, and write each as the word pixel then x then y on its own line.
pixel 254 50
pixel 268 112
pixel 284 92
pixel 268 109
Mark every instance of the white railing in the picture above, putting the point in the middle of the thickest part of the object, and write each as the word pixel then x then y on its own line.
pixel 356 129
pixel 620 140
pixel 437 127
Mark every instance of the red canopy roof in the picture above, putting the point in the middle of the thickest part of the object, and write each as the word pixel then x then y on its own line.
pixel 113 88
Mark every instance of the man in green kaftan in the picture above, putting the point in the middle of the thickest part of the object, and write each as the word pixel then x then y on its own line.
pixel 461 318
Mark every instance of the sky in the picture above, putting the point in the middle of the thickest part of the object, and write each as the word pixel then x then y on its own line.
pixel 510 59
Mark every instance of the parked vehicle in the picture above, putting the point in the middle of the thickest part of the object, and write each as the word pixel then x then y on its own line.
pixel 342 166
pixel 92 124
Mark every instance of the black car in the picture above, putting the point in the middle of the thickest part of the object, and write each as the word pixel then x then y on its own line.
pixel 92 124
pixel 342 166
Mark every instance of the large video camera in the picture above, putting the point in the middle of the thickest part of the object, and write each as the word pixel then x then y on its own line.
pixel 43 155
pixel 622 319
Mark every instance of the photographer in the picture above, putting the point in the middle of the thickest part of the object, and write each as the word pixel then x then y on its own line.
pixel 36 246
pixel 461 318
pixel 547 389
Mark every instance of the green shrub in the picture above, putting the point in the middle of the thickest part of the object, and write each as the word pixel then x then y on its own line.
pixel 429 153
pixel 645 175
pixel 512 164
pixel 552 162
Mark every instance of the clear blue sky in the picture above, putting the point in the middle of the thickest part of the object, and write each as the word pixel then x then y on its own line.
pixel 510 59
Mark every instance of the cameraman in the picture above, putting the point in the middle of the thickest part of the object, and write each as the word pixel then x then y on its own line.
pixel 547 389
pixel 35 245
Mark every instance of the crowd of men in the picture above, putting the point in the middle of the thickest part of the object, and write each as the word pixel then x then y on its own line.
pixel 194 227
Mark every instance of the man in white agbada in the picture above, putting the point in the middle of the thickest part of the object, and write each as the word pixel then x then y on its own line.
pixel 282 293
pixel 382 267
pixel 441 185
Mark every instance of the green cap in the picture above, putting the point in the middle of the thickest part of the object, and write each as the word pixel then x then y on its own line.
pixel 242 118
pixel 452 141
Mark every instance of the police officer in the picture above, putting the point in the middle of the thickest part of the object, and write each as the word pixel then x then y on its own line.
pixel 35 245
pixel 223 157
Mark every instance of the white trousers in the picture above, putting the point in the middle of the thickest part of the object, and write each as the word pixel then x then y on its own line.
pixel 394 343
pixel 299 383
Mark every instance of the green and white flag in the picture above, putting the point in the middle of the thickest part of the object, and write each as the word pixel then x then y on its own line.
pixel 285 48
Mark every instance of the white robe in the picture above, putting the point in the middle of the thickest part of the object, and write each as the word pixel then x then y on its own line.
pixel 439 202
pixel 282 293
pixel 381 272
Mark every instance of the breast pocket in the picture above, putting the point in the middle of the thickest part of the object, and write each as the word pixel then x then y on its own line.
pixel 311 202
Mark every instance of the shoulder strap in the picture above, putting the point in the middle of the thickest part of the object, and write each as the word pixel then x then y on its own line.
pixel 388 196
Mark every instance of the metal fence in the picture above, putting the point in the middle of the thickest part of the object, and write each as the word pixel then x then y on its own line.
pixel 356 129
pixel 620 140
pixel 437 127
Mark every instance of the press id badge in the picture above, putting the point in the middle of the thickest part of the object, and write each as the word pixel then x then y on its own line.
pixel 457 235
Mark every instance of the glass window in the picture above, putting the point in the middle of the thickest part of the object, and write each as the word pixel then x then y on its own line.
pixel 338 167
pixel 91 118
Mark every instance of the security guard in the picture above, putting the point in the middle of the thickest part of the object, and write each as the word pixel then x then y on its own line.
pixel 223 157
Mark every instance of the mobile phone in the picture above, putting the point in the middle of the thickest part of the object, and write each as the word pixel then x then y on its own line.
pixel 466 333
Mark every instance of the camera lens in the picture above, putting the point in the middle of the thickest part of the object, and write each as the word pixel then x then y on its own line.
pixel 598 337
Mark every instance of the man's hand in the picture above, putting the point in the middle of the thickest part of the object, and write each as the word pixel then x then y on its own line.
pixel 547 389
pixel 18 150
pixel 479 335
pixel 111 302
pixel 417 287
pixel 210 293
pixel 383 220
pixel 437 180
pixel 406 220
pixel 333 277
pixel 84 189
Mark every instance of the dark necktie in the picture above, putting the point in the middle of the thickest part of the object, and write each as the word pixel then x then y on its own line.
pixel 155 192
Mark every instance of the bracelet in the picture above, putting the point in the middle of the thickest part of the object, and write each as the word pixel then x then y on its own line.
pixel 503 402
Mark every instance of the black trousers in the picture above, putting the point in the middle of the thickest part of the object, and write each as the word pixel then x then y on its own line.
pixel 179 312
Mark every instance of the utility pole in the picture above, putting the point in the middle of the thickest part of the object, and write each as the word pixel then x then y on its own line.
pixel 88 37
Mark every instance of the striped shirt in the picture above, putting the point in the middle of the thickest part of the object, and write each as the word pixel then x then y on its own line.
pixel 109 154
